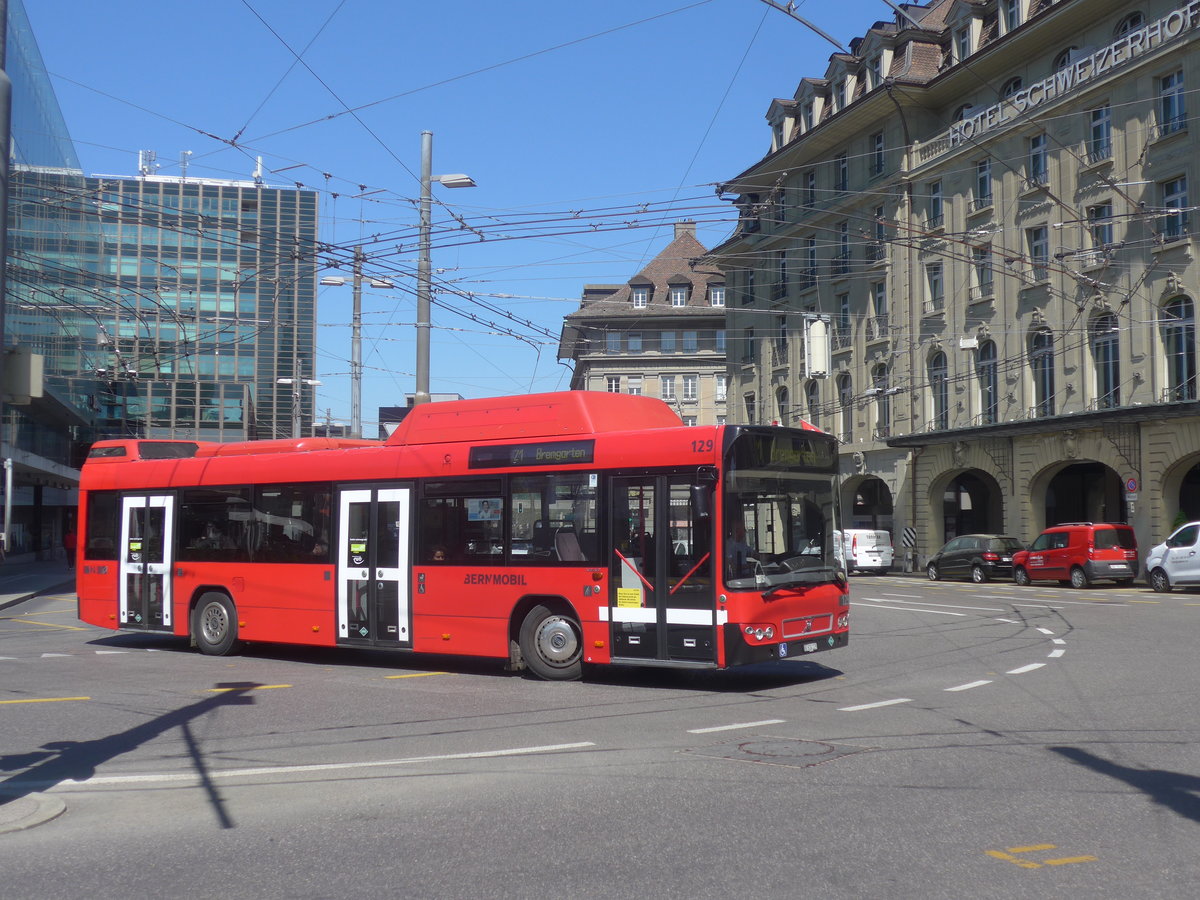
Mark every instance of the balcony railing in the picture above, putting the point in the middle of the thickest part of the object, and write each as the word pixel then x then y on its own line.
pixel 841 337
pixel 840 265
pixel 982 291
pixel 1099 152
pixel 877 328
pixel 875 251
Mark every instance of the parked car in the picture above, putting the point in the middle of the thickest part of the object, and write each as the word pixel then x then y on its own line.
pixel 1078 553
pixel 867 550
pixel 980 557
pixel 1176 561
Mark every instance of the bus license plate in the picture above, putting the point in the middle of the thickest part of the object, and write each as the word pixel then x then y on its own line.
pixel 811 647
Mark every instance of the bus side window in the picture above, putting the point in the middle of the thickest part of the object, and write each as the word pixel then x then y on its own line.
pixel 103 525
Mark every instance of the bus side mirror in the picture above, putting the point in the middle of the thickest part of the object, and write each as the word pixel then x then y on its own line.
pixel 700 501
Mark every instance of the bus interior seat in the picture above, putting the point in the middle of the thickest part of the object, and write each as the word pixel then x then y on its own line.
pixel 566 544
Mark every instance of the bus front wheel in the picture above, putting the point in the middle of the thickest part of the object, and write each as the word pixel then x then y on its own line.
pixel 552 644
pixel 214 625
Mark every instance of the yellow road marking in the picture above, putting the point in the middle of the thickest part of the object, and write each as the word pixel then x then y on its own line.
pixel 1070 859
pixel 46 700
pixel 1036 848
pixel 1145 601
pixel 1023 863
pixel 1032 848
pixel 47 624
pixel 416 675
pixel 256 687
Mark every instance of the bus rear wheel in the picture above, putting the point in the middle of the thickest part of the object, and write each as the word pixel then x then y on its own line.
pixel 552 644
pixel 214 625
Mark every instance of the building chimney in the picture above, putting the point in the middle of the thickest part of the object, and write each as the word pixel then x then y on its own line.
pixel 685 227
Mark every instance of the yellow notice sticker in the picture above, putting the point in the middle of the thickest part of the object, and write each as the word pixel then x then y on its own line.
pixel 629 597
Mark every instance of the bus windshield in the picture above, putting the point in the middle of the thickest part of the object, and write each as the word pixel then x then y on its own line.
pixel 780 511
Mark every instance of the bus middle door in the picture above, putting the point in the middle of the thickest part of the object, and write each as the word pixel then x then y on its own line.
pixel 147 536
pixel 373 566
pixel 662 603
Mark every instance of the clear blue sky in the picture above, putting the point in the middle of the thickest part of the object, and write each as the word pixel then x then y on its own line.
pixel 569 116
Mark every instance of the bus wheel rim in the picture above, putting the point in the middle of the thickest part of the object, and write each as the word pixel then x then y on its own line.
pixel 557 642
pixel 214 622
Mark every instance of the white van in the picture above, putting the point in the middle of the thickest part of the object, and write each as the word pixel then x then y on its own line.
pixel 867 550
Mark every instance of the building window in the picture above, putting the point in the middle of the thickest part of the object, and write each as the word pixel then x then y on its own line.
pixel 781 340
pixel 1172 113
pixel 1010 12
pixel 1010 87
pixel 679 295
pixel 962 43
pixel 635 385
pixel 1041 366
pixel 690 387
pixel 812 400
pixel 666 387
pixel 883 401
pixel 781 404
pixel 841 328
pixel 1037 241
pixel 689 342
pixel 1100 225
pixel 808 274
pixel 939 391
pixel 934 208
pixel 614 384
pixel 874 71
pixel 1106 359
pixel 635 342
pixel 845 412
pixel 935 294
pixel 1178 328
pixel 1174 226
pixel 716 295
pixel 879 310
pixel 1064 58
pixel 720 340
pixel 1036 171
pixel 641 297
pixel 981 267
pixel 689 421
pixel 806 116
pixel 751 409
pixel 1131 22
pixel 989 384
pixel 721 392
pixel 842 177
pixel 983 183
pixel 839 94
pixel 878 153
pixel 748 288
pixel 667 342
pixel 810 189
pixel 779 289
pixel 1100 135
pixel 748 345
pixel 612 342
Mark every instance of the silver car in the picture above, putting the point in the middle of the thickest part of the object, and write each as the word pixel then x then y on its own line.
pixel 1176 561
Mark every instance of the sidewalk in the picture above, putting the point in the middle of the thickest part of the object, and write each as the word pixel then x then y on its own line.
pixel 20 580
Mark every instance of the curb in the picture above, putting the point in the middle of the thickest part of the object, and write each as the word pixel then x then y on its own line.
pixel 29 812
pixel 49 589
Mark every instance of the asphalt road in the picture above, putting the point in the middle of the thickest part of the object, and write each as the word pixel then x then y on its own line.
pixel 973 741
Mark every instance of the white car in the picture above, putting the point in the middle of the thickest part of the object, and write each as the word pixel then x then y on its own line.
pixel 866 550
pixel 1176 561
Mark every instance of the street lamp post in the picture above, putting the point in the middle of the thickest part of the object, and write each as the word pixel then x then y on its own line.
pixel 296 383
pixel 421 394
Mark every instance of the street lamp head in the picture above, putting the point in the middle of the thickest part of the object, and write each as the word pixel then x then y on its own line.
pixel 455 181
pixel 333 280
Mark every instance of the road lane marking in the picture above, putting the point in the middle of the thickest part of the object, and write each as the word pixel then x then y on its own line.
pixel 49 625
pixel 875 705
pixel 734 727
pixel 1008 855
pixel 1057 641
pixel 875 605
pixel 317 767
pixel 1045 631
pixel 1055 654
pixel 1023 669
pixel 416 674
pixel 44 700
pixel 1009 621
pixel 969 685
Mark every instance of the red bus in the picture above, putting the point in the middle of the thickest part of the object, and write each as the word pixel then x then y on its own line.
pixel 553 530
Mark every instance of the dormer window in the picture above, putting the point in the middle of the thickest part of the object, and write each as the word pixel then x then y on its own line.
pixel 641 296
pixel 1010 13
pixel 839 94
pixel 679 294
pixel 716 295
pixel 875 71
pixel 806 116
pixel 962 43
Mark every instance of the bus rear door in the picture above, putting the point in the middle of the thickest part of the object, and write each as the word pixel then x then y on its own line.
pixel 662 601
pixel 147 536
pixel 373 566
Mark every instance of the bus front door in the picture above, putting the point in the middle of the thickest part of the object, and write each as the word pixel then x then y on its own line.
pixel 147 535
pixel 373 566
pixel 662 601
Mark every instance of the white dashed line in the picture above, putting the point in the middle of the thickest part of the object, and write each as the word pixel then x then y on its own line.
pixel 1023 669
pixel 734 727
pixel 1057 641
pixel 875 604
pixel 1045 631
pixel 875 705
pixel 1055 654
pixel 968 685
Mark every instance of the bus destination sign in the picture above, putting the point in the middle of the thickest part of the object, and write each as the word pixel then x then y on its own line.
pixel 554 453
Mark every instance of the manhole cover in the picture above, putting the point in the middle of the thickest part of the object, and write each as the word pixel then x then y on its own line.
pixel 780 752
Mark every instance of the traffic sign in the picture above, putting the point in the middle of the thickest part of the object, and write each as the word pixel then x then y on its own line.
pixel 1131 485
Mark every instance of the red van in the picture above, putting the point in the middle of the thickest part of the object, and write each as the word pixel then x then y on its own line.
pixel 1078 553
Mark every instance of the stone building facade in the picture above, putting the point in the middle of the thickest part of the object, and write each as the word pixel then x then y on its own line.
pixel 989 202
